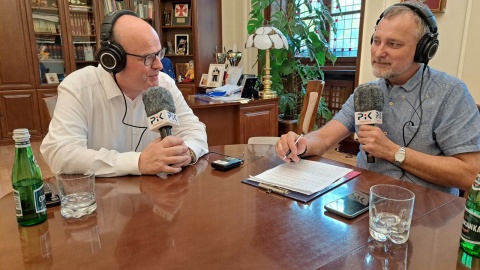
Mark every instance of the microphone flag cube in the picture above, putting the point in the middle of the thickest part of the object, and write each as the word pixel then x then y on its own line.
pixel 369 117
pixel 162 119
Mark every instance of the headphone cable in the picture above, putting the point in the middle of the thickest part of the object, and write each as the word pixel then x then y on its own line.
pixel 410 121
pixel 125 113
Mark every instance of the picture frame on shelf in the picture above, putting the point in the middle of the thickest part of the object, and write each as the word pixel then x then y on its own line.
pixel 203 80
pixel 215 75
pixel 181 69
pixel 434 5
pixel 181 14
pixel 182 44
pixel 51 78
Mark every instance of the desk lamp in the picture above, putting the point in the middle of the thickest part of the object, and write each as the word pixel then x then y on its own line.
pixel 266 38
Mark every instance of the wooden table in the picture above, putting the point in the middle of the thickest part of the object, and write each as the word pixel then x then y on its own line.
pixel 206 219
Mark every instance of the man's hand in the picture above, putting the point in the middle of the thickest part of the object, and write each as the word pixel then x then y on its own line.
pixel 286 142
pixel 375 142
pixel 168 155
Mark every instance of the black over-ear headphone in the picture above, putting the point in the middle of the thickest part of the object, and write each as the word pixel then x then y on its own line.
pixel 427 46
pixel 111 55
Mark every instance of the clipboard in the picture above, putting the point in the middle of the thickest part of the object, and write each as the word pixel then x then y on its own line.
pixel 300 196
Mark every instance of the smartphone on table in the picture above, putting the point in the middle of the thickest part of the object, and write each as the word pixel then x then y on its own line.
pixel 349 206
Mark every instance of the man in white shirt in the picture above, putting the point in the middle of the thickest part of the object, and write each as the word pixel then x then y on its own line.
pixel 87 130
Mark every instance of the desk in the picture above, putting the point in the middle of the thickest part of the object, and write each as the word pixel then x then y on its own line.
pixel 233 122
pixel 207 219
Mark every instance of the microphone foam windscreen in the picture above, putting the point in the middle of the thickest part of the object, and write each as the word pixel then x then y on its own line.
pixel 368 97
pixel 157 99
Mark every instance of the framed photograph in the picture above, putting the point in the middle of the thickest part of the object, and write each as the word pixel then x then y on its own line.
pixel 181 15
pixel 181 69
pixel 203 80
pixel 181 44
pixel 51 78
pixel 434 5
pixel 233 75
pixel 215 75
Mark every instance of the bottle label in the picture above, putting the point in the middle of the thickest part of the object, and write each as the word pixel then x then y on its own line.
pixel 471 227
pixel 18 203
pixel 476 184
pixel 39 196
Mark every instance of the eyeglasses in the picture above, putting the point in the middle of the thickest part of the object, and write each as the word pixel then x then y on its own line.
pixel 149 58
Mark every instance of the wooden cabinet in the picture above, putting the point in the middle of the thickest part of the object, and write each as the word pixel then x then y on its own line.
pixel 19 109
pixel 201 29
pixel 18 102
pixel 233 122
pixel 65 37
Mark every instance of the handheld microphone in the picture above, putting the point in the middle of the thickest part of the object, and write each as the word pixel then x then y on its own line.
pixel 368 102
pixel 160 110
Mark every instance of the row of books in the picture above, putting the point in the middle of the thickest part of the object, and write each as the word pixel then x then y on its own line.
pixel 112 5
pixel 145 9
pixel 44 26
pixel 82 24
pixel 84 52
pixel 54 50
pixel 81 8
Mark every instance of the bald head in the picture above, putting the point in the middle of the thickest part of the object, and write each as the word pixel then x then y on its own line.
pixel 130 32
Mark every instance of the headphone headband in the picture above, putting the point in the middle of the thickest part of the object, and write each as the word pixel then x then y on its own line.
pixel 424 13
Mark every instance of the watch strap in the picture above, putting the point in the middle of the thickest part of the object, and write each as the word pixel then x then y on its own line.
pixel 402 152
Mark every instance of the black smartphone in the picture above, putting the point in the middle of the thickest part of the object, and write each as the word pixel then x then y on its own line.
pixel 52 197
pixel 349 206
pixel 226 164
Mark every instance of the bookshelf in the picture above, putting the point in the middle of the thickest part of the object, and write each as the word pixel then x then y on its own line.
pixel 201 22
pixel 145 9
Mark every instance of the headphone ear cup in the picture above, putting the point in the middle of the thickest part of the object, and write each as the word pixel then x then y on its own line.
pixel 121 56
pixel 112 57
pixel 426 48
pixel 419 52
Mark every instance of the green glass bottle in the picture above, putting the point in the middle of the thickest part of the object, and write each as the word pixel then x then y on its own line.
pixel 470 237
pixel 27 182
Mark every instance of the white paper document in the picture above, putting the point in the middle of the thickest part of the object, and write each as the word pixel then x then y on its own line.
pixel 306 176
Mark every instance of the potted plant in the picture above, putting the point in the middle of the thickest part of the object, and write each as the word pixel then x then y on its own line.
pixel 305 28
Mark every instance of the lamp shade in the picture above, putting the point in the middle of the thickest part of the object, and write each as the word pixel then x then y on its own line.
pixel 267 37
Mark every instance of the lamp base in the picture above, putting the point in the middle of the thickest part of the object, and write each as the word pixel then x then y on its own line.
pixel 267 95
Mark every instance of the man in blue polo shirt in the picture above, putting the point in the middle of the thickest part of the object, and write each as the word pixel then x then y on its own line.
pixel 431 126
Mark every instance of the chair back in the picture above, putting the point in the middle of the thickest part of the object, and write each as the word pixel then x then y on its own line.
pixel 50 103
pixel 310 106
pixel 263 140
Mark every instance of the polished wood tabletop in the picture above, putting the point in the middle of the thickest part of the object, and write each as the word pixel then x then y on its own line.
pixel 202 218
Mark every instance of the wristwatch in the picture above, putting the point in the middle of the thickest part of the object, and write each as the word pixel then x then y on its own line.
pixel 400 156
pixel 193 157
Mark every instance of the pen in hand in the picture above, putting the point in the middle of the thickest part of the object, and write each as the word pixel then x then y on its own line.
pixel 289 150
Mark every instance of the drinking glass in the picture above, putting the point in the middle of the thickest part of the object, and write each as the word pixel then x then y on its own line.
pixel 390 210
pixel 77 192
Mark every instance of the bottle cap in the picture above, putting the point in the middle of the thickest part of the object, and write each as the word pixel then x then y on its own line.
pixel 21 134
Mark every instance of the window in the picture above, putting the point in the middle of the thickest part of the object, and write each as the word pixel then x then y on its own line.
pixel 345 42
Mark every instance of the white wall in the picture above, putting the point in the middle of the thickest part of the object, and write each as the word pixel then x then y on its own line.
pixel 234 27
pixel 459 36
